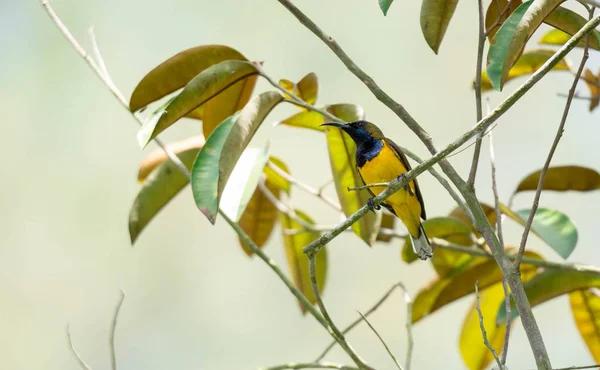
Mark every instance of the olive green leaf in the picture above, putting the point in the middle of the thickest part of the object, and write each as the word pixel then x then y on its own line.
pixel 275 178
pixel 497 12
pixel 343 167
pixel 202 88
pixel 174 73
pixel 568 21
pixel 387 222
pixel 527 63
pixel 551 284
pixel 158 156
pixel 585 305
pixel 297 260
pixel 435 17
pixel 162 185
pixel 512 36
pixel 562 178
pixel 217 160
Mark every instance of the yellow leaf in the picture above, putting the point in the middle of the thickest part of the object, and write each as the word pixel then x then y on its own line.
pixel 490 213
pixel 585 305
pixel 497 12
pixel 276 179
pixel 306 119
pixel 593 83
pixel 297 260
pixel 306 89
pixel 259 217
pixel 562 178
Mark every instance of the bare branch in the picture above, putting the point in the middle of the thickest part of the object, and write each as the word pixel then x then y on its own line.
pixel 113 329
pixel 596 366
pixel 81 362
pixel 382 341
pixel 373 185
pixel 483 332
pixel 559 133
pixel 309 365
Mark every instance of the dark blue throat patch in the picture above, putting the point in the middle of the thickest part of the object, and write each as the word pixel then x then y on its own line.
pixel 368 150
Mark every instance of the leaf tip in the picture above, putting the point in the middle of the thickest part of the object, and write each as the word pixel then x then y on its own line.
pixel 211 217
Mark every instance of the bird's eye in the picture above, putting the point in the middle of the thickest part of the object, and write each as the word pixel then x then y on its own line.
pixel 361 124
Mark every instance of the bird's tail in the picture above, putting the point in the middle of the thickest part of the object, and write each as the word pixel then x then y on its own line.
pixel 421 245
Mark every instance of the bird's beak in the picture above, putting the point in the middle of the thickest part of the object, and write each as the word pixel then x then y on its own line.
pixel 335 124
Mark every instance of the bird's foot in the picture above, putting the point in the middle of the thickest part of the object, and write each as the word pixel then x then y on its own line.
pixel 406 186
pixel 372 206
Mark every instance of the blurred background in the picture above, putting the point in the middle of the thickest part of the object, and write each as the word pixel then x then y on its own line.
pixel 194 300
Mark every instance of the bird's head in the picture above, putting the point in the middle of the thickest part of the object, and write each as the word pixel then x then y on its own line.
pixel 360 131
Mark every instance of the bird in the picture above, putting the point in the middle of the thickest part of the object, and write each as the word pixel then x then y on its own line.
pixel 379 159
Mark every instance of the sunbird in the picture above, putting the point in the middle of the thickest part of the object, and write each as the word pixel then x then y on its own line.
pixel 379 159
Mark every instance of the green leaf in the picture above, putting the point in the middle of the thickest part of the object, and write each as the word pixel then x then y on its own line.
pixel 243 181
pixel 555 228
pixel 343 167
pixel 570 22
pixel 562 178
pixel 158 156
pixel 512 36
pixel 384 5
pixel 205 86
pixel 216 166
pixel 162 185
pixel 205 171
pixel 435 17
pixel 551 284
pixel 306 89
pixel 174 73
pixel 527 63
pixel 297 259
pixel 585 305
pixel 306 119
pixel 447 228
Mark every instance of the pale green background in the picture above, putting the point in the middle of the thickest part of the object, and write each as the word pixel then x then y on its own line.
pixel 194 300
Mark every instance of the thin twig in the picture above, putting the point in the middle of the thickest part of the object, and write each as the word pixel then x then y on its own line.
pixel 307 188
pixel 478 105
pixel 411 340
pixel 483 332
pixel 373 185
pixel 596 366
pixel 81 362
pixel 309 365
pixel 333 329
pixel 382 341
pixel 113 329
pixel 501 239
pixel 559 133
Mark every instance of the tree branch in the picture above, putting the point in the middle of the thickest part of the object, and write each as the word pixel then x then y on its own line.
pixel 382 341
pixel 559 133
pixel 113 329
pixel 483 332
pixel 81 362
pixel 309 365
pixel 478 105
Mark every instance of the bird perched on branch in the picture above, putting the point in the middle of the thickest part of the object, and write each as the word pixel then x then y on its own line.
pixel 379 159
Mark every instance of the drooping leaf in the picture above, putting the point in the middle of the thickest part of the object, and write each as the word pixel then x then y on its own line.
pixel 447 228
pixel 205 171
pixel 550 284
pixel 585 305
pixel 306 119
pixel 275 178
pixel 243 181
pixel 298 261
pixel 570 22
pixel 306 89
pixel 562 178
pixel 216 166
pixel 384 5
pixel 387 222
pixel 593 83
pixel 460 282
pixel 435 17
pixel 555 228
pixel 343 167
pixel 162 185
pixel 202 88
pixel 489 211
pixel 497 12
pixel 174 73
pixel 158 156
pixel 474 352
pixel 512 36
pixel 527 63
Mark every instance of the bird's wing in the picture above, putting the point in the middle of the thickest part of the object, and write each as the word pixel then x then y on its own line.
pixel 406 164
pixel 387 206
